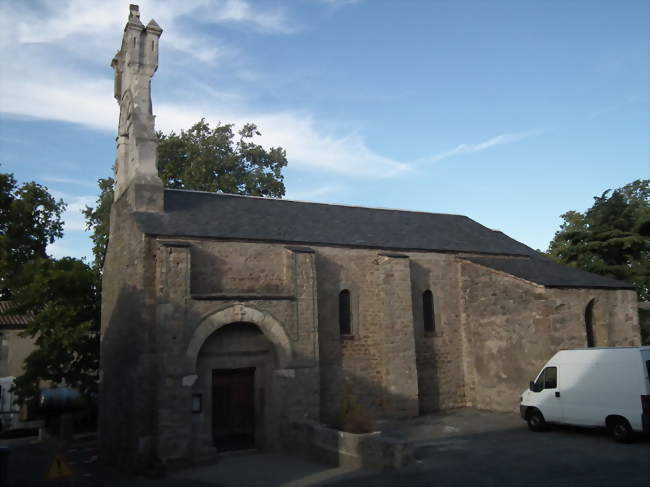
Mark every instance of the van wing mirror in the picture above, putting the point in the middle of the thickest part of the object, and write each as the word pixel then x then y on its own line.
pixel 532 386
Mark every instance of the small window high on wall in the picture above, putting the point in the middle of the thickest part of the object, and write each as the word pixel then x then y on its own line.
pixel 344 313
pixel 428 314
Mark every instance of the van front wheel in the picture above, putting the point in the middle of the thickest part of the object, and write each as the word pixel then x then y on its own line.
pixel 535 420
pixel 620 430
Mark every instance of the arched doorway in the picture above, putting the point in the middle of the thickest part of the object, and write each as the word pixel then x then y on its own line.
pixel 234 368
pixel 229 350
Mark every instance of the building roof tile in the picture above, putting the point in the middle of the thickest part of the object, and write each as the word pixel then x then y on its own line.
pixel 12 320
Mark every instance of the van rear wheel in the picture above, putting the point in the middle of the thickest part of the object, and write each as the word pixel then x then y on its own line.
pixel 535 420
pixel 620 430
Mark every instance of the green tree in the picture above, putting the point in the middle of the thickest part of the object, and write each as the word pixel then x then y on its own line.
pixel 210 159
pixel 63 297
pixel 30 219
pixel 612 238
pixel 97 220
pixel 203 159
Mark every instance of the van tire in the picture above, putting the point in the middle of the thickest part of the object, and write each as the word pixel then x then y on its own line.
pixel 535 420
pixel 619 429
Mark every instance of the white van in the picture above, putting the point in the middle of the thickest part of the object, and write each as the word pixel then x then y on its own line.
pixel 592 387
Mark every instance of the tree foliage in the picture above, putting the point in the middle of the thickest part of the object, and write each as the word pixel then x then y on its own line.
pixel 30 219
pixel 97 220
pixel 63 297
pixel 211 159
pixel 204 159
pixel 612 238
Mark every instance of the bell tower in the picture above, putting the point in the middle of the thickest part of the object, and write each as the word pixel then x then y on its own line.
pixel 136 173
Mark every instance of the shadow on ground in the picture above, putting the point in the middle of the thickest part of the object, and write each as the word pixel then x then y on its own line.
pixel 464 447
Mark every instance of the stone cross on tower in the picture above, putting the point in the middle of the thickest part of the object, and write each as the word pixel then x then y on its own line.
pixel 136 173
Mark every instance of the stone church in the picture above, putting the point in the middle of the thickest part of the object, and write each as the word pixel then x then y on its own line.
pixel 225 318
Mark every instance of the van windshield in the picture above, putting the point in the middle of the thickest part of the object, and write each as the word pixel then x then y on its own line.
pixel 546 380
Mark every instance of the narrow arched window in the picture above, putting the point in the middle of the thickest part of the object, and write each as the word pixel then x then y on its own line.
pixel 589 324
pixel 344 312
pixel 428 314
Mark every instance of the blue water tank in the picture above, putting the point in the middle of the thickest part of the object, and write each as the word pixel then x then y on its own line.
pixel 59 399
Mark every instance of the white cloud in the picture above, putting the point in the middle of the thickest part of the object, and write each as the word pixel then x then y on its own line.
pixel 91 25
pixel 86 101
pixel 59 251
pixel 70 248
pixel 43 88
pixel 73 219
pixel 54 77
pixel 75 241
pixel 481 146
pixel 241 11
pixel 305 144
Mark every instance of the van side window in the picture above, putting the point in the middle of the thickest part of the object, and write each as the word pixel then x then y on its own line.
pixel 547 379
pixel 550 378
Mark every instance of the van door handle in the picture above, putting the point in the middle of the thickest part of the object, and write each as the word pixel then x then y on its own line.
pixel 557 393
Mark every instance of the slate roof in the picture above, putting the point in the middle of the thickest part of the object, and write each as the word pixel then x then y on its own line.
pixel 233 217
pixel 540 270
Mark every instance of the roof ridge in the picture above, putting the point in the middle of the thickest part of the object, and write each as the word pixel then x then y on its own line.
pixel 286 200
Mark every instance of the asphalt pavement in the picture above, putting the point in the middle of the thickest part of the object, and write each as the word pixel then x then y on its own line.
pixel 458 448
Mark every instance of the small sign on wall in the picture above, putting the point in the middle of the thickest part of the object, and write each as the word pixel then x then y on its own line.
pixel 197 405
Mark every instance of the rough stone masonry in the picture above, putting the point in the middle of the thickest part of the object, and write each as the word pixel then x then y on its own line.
pixel 225 318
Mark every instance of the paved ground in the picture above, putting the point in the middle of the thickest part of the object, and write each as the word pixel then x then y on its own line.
pixel 264 470
pixel 30 462
pixel 462 448
pixel 475 448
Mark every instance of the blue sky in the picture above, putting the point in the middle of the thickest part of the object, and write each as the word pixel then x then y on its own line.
pixel 509 112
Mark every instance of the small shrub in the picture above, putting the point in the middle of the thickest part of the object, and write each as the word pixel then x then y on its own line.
pixel 354 417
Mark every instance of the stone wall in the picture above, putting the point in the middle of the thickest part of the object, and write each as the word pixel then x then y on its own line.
pixel 165 298
pixel 386 292
pixel 14 349
pixel 230 267
pixel 204 287
pixel 440 368
pixel 350 365
pixel 513 327
pixel 318 443
pixel 374 366
pixel 127 419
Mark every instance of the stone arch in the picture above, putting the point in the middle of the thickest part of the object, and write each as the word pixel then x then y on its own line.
pixel 271 328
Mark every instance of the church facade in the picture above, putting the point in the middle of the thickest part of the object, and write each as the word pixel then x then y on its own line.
pixel 225 318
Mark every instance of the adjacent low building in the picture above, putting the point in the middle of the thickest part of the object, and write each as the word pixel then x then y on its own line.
pixel 226 317
pixel 14 349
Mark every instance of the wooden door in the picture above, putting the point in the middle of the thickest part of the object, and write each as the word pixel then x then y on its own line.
pixel 233 408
